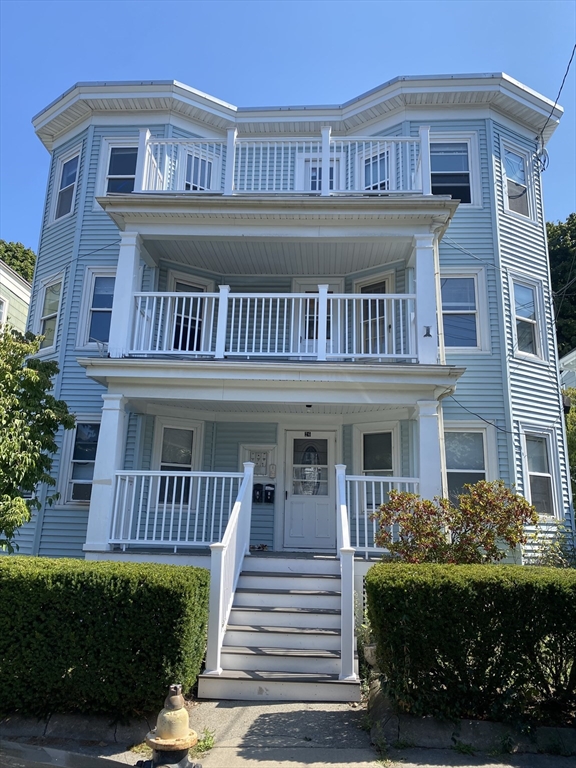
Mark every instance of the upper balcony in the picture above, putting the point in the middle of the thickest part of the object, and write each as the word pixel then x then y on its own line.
pixel 285 166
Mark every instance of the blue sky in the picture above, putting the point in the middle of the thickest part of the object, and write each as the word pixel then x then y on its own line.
pixel 268 52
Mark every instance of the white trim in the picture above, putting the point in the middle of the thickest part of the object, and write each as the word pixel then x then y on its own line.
pixel 44 285
pixel 76 151
pixel 471 139
pixel 3 311
pixel 197 427
pixel 107 144
pixel 376 277
pixel 358 432
pixel 536 285
pixel 15 283
pixel 482 309
pixel 304 162
pixel 527 157
pixel 488 431
pixel 305 284
pixel 90 275
pixel 550 436
pixel 65 472
pixel 196 281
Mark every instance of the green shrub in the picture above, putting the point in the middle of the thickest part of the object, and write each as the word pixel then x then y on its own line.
pixel 98 637
pixel 458 641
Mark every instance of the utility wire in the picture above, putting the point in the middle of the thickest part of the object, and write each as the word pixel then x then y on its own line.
pixel 558 96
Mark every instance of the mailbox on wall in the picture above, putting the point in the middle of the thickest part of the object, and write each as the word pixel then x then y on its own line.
pixel 269 493
pixel 257 493
pixel 264 459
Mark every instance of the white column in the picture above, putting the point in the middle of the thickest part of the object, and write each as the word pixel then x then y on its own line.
pixel 222 322
pixel 425 159
pixel 109 459
pixel 425 283
pixel 230 161
pixel 126 285
pixel 322 321
pixel 140 180
pixel 326 131
pixel 430 469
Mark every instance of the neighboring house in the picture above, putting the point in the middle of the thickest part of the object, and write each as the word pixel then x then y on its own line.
pixel 265 318
pixel 568 370
pixel 14 298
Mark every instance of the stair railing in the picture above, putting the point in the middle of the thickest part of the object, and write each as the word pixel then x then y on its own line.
pixel 226 559
pixel 346 555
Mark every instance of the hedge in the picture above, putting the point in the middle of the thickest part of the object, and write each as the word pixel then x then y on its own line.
pixel 98 637
pixel 469 641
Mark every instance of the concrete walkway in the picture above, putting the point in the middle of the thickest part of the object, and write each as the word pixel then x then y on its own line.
pixel 281 735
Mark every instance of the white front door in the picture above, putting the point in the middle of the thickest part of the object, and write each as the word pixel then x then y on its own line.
pixel 310 504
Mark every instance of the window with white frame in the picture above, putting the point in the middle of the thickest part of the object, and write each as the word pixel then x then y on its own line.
pixel 176 456
pixel 66 179
pixel 82 461
pixel 309 173
pixel 463 296
pixel 3 312
pixel 376 171
pixel 450 170
pixel 50 298
pixel 516 192
pixel 465 459
pixel 526 325
pixel 121 173
pixel 539 474
pixel 377 454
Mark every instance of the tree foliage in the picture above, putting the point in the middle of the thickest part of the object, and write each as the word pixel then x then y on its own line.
pixel 19 258
pixel 29 420
pixel 423 531
pixel 562 251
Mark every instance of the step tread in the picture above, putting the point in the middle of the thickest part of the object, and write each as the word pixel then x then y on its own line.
pixel 281 677
pixel 320 592
pixel 282 630
pixel 291 574
pixel 286 609
pixel 280 652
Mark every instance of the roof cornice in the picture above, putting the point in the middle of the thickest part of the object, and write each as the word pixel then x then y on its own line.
pixel 496 90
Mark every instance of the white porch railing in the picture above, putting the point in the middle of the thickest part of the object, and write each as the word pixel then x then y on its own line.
pixel 316 326
pixel 364 495
pixel 297 165
pixel 346 554
pixel 172 509
pixel 225 566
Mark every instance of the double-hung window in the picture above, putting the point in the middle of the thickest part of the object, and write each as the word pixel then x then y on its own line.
pixel 66 180
pixel 50 297
pixel 3 312
pixel 121 172
pixel 465 460
pixel 460 311
pixel 526 318
pixel 176 456
pixel 82 462
pixel 377 457
pixel 539 474
pixel 516 193
pixel 450 170
pixel 101 309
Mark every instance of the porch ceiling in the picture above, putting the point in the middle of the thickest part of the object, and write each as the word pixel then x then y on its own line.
pixel 296 409
pixel 251 256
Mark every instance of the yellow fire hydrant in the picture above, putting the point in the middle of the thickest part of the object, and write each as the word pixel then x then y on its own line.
pixel 172 737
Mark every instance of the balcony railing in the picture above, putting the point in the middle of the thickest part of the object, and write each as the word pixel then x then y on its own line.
pixel 318 326
pixel 364 495
pixel 320 165
pixel 172 509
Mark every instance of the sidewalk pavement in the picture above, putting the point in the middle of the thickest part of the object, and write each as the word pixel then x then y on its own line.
pixel 269 735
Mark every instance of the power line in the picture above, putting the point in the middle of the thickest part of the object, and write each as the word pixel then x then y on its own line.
pixel 558 96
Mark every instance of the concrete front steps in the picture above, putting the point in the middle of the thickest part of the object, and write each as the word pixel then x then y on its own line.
pixel 283 635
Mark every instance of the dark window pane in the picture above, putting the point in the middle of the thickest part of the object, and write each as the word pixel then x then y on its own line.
pixel 378 452
pixel 177 448
pixel 64 202
pixel 456 481
pixel 99 326
pixel 103 293
pixel 460 330
pixel 525 333
pixel 449 156
pixel 86 442
pixel 541 493
pixel 123 161
pixel 518 198
pixel 310 452
pixel 121 186
pixel 69 170
pixel 458 293
pixel 454 184
pixel 81 491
